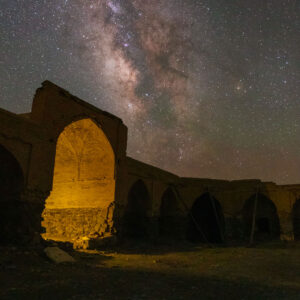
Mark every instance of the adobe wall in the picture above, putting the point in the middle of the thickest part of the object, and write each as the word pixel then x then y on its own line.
pixel 31 138
pixel 69 224
pixel 156 182
pixel 232 196
pixel 56 108
pixel 25 141
pixel 33 141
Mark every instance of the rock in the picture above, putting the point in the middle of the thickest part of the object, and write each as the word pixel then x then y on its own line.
pixel 81 243
pixel 57 255
pixel 94 242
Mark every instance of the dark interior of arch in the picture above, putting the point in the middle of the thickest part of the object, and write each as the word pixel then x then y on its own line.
pixel 169 220
pixel 206 221
pixel 296 220
pixel 266 221
pixel 136 222
pixel 11 185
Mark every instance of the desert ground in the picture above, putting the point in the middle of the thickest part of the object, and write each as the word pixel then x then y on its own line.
pixel 154 271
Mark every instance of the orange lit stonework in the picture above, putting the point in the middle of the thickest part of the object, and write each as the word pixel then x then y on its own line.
pixel 83 183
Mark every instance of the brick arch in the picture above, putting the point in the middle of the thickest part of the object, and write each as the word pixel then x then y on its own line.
pixel 170 223
pixel 83 182
pixel 296 219
pixel 267 225
pixel 206 220
pixel 136 219
pixel 66 122
pixel 11 187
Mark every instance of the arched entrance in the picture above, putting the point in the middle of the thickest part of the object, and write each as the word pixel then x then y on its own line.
pixel 206 220
pixel 170 224
pixel 296 220
pixel 83 183
pixel 11 186
pixel 266 218
pixel 136 223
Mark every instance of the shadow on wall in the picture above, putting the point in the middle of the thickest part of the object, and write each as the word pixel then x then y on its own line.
pixel 267 225
pixel 296 220
pixel 11 186
pixel 206 221
pixel 171 222
pixel 136 222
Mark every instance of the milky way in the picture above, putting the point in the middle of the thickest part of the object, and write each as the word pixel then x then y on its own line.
pixel 206 88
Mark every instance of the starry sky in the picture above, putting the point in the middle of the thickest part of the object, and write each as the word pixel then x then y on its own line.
pixel 207 89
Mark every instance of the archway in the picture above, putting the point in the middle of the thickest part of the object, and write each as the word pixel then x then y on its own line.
pixel 83 183
pixel 266 218
pixel 11 186
pixel 170 224
pixel 206 220
pixel 136 223
pixel 296 219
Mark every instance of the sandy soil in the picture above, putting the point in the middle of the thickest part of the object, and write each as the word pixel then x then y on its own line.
pixel 267 271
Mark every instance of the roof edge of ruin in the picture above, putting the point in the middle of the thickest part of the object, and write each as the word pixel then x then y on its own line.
pixel 67 94
pixel 128 158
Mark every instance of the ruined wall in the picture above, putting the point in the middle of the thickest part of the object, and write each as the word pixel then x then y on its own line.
pixel 156 182
pixel 74 155
pixel 70 224
pixel 90 150
pixel 83 183
pixel 23 141
pixel 32 139
pixel 233 196
pixel 273 220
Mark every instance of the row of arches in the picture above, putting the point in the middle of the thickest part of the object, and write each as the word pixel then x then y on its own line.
pixel 205 222
pixel 84 177
pixel 137 221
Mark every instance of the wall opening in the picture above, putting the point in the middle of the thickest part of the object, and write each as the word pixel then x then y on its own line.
pixel 170 224
pixel 11 186
pixel 266 220
pixel 206 220
pixel 83 183
pixel 136 222
pixel 296 220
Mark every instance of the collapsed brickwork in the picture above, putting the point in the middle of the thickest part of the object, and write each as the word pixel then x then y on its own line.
pixel 64 175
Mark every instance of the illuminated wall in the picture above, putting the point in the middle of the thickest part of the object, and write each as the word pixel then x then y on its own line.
pixel 83 183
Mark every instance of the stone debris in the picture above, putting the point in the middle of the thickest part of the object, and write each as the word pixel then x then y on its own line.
pixel 95 242
pixel 81 243
pixel 57 255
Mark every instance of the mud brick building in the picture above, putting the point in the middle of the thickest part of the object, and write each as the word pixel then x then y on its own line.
pixel 65 175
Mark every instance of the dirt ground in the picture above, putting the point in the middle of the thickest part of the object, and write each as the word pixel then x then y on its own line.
pixel 161 271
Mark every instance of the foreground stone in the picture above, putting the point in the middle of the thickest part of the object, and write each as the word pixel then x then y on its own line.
pixel 96 242
pixel 57 255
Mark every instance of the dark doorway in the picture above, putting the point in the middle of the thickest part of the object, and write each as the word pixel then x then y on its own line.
pixel 170 223
pixel 11 185
pixel 206 220
pixel 263 225
pixel 136 223
pixel 296 220
pixel 266 219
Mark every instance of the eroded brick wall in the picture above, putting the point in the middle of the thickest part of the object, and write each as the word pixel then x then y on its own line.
pixel 72 223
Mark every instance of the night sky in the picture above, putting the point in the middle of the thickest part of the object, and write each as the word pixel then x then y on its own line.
pixel 206 88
